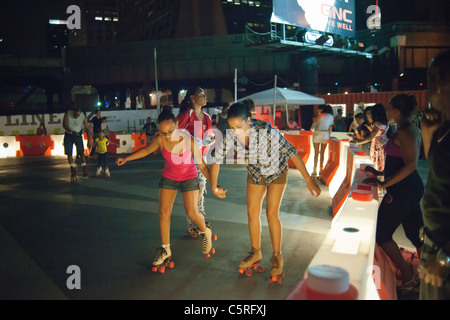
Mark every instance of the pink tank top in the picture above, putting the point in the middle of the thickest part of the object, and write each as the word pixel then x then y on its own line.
pixel 178 167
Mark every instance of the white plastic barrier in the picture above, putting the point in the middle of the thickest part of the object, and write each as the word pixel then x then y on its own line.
pixel 9 147
pixel 126 144
pixel 350 244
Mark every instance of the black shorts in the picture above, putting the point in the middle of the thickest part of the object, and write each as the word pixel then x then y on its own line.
pixel 69 140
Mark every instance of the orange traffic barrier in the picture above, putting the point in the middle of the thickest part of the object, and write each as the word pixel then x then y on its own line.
pixel 112 148
pixel 384 276
pixel 303 145
pixel 35 146
pixel 139 142
pixel 330 169
pixel 344 190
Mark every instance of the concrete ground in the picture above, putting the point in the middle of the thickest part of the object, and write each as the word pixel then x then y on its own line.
pixel 109 229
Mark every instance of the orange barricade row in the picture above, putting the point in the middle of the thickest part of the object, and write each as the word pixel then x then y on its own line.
pixel 35 146
pixel 344 190
pixel 139 142
pixel 112 148
pixel 330 169
pixel 303 145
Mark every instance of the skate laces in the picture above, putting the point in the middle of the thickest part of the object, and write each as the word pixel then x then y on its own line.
pixel 275 261
pixel 250 256
pixel 204 241
pixel 161 252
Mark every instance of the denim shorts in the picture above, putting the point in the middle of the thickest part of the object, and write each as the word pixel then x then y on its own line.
pixel 184 186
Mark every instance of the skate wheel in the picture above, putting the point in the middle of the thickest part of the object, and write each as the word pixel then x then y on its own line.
pixel 214 237
pixel 241 271
pixel 248 272
pixel 154 269
pixel 213 251
pixel 207 256
pixel 171 264
pixel 162 269
pixel 260 269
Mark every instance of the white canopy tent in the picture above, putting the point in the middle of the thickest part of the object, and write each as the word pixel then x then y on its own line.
pixel 283 97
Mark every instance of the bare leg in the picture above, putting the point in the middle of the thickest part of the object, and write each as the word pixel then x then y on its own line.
pixel 166 200
pixel 255 197
pixel 190 200
pixel 274 197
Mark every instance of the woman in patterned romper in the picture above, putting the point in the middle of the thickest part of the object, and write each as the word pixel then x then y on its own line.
pixel 378 136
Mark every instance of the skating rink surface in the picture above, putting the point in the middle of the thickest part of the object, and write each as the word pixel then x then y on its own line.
pixel 108 229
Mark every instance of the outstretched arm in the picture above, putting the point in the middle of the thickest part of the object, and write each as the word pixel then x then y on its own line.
pixel 141 153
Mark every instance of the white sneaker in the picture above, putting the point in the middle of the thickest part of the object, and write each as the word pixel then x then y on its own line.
pixel 99 171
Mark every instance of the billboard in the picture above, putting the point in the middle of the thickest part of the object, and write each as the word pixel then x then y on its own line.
pixel 331 16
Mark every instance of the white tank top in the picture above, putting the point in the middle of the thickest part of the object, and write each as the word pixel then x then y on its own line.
pixel 75 124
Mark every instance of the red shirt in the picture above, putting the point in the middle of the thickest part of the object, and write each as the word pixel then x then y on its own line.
pixel 187 120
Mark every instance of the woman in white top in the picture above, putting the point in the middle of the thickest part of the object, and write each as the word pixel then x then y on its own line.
pixel 321 126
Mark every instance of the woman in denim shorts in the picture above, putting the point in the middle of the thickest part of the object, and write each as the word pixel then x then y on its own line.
pixel 180 172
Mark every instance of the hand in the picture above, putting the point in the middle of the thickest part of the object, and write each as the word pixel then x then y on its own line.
pixel 372 170
pixel 373 181
pixel 121 161
pixel 220 192
pixel 432 121
pixel 433 272
pixel 313 188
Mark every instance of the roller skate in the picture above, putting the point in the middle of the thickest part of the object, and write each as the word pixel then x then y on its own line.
pixel 252 262
pixel 162 260
pixel 207 239
pixel 315 175
pixel 276 272
pixel 99 171
pixel 107 174
pixel 85 173
pixel 194 231
pixel 73 174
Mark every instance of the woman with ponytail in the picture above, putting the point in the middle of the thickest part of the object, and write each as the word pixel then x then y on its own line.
pixel 404 188
pixel 199 125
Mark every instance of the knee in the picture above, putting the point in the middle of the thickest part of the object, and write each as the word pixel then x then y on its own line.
pixel 272 216
pixel 192 214
pixel 165 213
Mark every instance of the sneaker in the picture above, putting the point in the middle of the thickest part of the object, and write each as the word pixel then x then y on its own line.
pixel 107 174
pixel 255 256
pixel 99 171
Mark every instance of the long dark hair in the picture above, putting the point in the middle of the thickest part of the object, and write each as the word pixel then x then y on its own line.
pixel 379 114
pixel 186 104
pixel 239 110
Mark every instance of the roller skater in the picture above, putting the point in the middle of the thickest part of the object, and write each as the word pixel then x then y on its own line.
pixel 321 126
pixel 265 178
pixel 181 173
pixel 73 123
pixel 199 125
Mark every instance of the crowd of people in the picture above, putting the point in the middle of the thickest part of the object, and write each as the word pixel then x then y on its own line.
pixel 391 135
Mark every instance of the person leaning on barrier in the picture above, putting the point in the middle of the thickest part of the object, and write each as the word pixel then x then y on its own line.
pixel 435 261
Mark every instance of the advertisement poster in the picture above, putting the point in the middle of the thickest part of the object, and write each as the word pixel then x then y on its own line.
pixel 331 16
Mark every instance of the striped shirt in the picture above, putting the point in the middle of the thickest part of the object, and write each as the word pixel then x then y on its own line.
pixel 267 155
